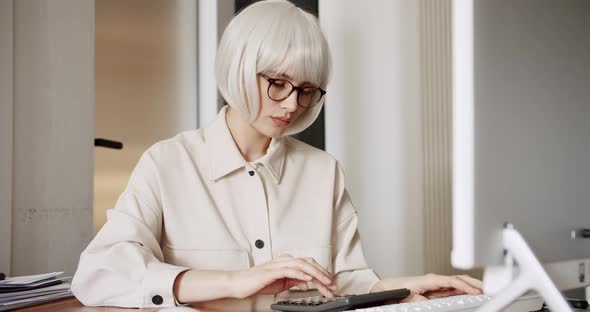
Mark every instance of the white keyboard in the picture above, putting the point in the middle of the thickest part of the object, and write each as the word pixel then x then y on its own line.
pixel 461 303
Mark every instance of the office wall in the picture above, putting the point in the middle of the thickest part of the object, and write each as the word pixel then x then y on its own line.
pixel 373 124
pixel 6 108
pixel 154 79
pixel 52 164
pixel 389 121
pixel 146 85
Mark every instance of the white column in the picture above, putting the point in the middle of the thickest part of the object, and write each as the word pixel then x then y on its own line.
pixel 53 134
pixel 6 134
pixel 186 63
pixel 373 124
pixel 213 17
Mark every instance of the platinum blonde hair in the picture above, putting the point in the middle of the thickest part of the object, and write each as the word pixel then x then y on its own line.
pixel 271 36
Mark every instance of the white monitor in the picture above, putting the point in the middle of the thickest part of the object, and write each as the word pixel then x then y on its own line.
pixel 521 133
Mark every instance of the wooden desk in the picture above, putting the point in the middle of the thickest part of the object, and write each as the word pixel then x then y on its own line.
pixel 258 303
pixel 73 305
pixel 70 305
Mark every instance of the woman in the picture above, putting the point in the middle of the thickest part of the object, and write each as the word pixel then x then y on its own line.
pixel 239 208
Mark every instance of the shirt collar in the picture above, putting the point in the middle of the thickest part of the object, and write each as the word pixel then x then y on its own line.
pixel 225 157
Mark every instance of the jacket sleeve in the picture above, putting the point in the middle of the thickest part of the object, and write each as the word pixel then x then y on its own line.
pixel 352 275
pixel 124 264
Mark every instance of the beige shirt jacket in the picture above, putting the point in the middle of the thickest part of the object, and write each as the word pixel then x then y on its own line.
pixel 194 202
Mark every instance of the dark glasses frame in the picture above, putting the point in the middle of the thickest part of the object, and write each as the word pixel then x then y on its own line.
pixel 271 81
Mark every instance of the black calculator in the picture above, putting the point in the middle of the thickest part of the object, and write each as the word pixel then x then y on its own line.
pixel 340 303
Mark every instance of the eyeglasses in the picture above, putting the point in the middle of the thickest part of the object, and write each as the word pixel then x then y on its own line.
pixel 280 89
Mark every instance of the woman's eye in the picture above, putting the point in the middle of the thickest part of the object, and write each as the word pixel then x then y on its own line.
pixel 279 84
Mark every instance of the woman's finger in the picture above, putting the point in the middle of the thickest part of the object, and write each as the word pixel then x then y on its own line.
pixel 455 282
pixel 294 282
pixel 471 281
pixel 414 297
pixel 319 272
pixel 317 265
pixel 309 269
pixel 323 289
pixel 442 293
pixel 332 286
pixel 290 273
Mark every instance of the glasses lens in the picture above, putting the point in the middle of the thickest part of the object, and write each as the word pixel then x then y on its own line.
pixel 309 97
pixel 279 90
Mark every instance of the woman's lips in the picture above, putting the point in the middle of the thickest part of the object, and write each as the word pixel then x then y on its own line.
pixel 280 122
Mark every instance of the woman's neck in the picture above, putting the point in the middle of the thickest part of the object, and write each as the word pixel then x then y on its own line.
pixel 251 143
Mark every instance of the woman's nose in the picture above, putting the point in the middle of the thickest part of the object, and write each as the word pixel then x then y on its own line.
pixel 290 103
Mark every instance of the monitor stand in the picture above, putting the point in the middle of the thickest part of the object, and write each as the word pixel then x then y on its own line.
pixel 508 282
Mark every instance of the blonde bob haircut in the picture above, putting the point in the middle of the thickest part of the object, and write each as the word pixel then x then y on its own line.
pixel 277 37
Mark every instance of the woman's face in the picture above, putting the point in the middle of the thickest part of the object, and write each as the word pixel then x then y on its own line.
pixel 275 117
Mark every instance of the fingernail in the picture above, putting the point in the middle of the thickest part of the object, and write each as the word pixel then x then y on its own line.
pixel 333 286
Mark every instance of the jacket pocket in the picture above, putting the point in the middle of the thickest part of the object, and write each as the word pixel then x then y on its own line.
pixel 208 259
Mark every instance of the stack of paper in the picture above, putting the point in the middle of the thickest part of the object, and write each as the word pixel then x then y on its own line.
pixel 22 291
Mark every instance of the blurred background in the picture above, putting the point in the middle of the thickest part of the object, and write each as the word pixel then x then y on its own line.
pixel 145 85
pixel 140 71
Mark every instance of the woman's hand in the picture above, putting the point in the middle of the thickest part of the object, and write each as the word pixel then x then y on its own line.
pixel 281 274
pixel 432 286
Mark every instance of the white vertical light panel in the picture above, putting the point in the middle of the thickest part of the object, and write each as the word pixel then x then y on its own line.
pixel 463 114
pixel 6 134
pixel 207 30
pixel 212 18
pixel 53 134
pixel 186 62
pixel 373 124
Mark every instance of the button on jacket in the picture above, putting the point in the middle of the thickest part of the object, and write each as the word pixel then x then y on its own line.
pixel 193 201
